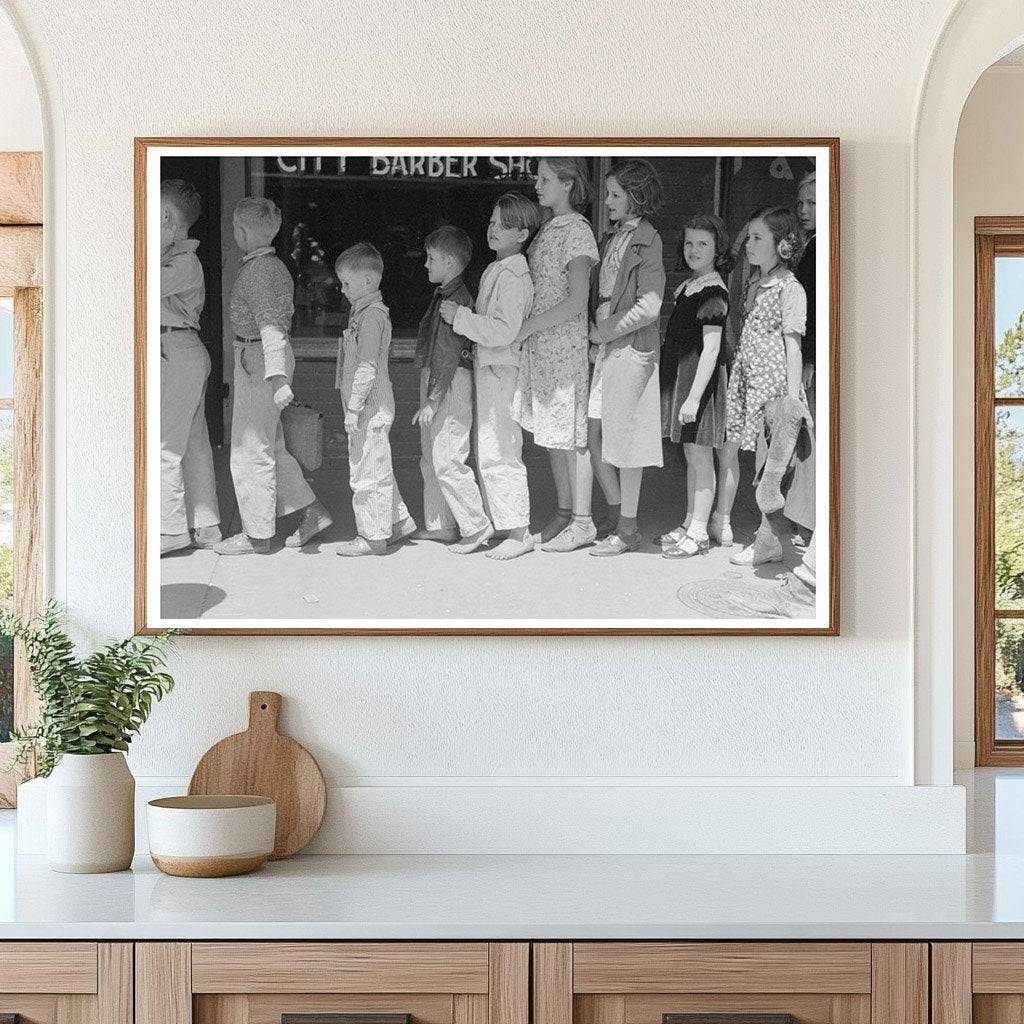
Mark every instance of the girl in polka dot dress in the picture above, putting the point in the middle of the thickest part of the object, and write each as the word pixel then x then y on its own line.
pixel 768 360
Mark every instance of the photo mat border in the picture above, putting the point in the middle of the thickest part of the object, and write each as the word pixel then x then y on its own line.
pixel 144 622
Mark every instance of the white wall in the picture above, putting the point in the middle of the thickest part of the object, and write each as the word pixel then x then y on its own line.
pixel 21 123
pixel 988 181
pixel 397 714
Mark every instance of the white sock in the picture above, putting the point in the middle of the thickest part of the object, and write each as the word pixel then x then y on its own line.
pixel 698 529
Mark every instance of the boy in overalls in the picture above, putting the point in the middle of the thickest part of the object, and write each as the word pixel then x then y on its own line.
pixel 268 481
pixel 364 382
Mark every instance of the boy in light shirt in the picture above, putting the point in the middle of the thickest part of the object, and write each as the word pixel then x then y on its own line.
pixel 502 304
pixel 268 480
pixel 364 382
pixel 189 513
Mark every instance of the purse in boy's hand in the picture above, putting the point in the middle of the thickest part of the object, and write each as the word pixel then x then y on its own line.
pixel 304 435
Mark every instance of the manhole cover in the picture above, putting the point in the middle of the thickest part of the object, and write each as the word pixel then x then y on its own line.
pixel 746 599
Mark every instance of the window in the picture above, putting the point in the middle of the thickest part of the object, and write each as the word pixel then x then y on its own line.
pixel 999 491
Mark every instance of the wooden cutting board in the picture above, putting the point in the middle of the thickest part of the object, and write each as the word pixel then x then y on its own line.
pixel 262 762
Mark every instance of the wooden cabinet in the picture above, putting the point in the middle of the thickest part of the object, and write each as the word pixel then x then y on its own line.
pixel 66 982
pixel 980 982
pixel 259 982
pixel 815 982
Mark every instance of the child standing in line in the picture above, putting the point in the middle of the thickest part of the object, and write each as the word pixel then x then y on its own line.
pixel 769 363
pixel 452 504
pixel 625 403
pixel 553 383
pixel 697 410
pixel 189 513
pixel 503 303
pixel 364 382
pixel 268 481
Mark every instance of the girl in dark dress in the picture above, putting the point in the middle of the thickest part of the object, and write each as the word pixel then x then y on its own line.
pixel 694 343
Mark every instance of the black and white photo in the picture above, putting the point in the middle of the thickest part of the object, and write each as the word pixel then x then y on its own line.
pixel 487 386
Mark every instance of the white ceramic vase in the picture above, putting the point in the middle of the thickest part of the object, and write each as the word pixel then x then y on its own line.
pixel 90 814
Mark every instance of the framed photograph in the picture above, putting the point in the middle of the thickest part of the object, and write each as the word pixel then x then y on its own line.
pixel 487 386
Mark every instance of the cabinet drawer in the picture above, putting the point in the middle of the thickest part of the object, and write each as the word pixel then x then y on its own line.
pixel 261 982
pixel 48 967
pixel 811 982
pixel 340 967
pixel 66 982
pixel 635 967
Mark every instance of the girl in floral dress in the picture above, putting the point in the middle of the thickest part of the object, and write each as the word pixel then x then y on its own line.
pixel 553 383
pixel 769 363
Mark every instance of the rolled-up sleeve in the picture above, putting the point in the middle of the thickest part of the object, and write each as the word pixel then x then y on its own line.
pixel 507 309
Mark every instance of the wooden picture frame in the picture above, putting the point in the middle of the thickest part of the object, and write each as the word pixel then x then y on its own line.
pixel 21 266
pixel 148 153
pixel 993 237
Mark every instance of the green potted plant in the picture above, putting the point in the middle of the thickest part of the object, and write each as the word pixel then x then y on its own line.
pixel 89 710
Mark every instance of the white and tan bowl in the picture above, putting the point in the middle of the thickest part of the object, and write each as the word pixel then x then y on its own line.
pixel 211 836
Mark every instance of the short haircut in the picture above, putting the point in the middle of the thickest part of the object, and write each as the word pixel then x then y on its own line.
pixel 574 169
pixel 258 214
pixel 516 212
pixel 642 185
pixel 451 241
pixel 715 227
pixel 784 225
pixel 810 178
pixel 184 197
pixel 361 258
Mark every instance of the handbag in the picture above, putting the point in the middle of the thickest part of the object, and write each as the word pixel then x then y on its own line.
pixel 303 428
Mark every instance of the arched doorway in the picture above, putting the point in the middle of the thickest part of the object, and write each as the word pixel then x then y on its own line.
pixel 976 34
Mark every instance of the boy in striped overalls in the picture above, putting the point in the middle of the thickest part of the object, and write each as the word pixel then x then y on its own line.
pixel 365 385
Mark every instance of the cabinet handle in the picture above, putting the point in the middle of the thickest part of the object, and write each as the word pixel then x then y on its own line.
pixel 338 1018
pixel 728 1018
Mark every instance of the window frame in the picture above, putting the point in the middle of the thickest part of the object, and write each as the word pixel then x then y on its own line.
pixel 993 237
pixel 21 253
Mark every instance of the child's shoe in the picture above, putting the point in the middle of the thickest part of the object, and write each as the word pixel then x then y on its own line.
pixel 170 542
pixel 720 530
pixel 361 546
pixel 575 535
pixel 315 519
pixel 672 538
pixel 760 552
pixel 207 537
pixel 688 547
pixel 241 544
pixel 617 544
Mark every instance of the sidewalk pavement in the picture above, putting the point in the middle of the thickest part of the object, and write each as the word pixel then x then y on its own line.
pixel 425 580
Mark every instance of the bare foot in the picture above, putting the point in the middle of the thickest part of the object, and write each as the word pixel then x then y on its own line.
pixel 556 526
pixel 441 536
pixel 469 544
pixel 402 531
pixel 512 548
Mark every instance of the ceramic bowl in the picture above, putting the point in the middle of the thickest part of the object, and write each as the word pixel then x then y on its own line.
pixel 211 836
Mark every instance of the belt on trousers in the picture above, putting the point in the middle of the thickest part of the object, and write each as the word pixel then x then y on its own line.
pixel 247 341
pixel 166 329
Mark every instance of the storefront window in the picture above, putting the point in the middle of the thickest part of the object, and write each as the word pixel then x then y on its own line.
pixel 330 203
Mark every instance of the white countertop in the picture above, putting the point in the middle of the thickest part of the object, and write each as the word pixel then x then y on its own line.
pixel 531 897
